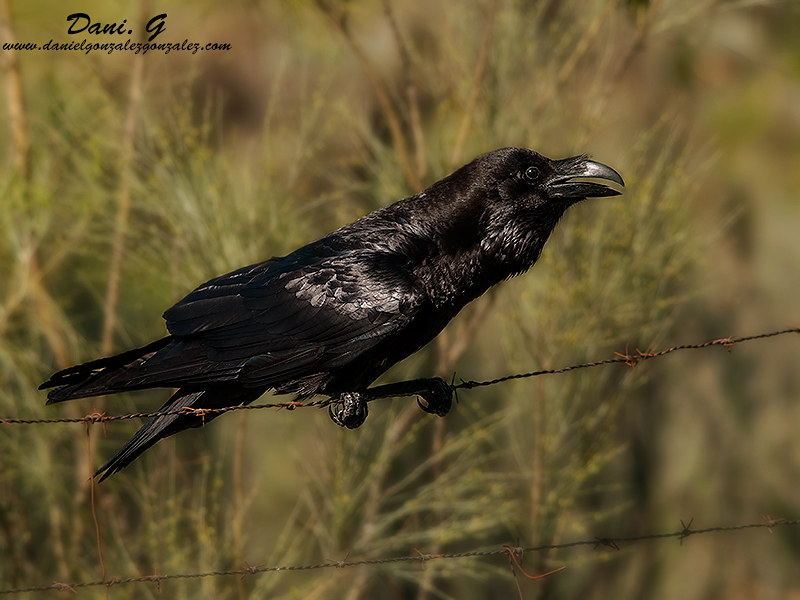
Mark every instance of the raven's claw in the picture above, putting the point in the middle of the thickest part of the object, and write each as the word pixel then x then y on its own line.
pixel 437 399
pixel 351 410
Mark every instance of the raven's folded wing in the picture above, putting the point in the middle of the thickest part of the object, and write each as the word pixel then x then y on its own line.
pixel 298 314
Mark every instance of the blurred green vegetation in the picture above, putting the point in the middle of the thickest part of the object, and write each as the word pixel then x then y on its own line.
pixel 161 171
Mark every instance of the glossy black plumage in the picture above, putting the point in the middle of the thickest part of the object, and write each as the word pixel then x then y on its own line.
pixel 332 316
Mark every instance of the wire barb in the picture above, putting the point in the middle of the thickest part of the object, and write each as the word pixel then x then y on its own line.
pixel 609 542
pixel 687 530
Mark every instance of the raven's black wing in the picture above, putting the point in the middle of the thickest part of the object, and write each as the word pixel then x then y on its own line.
pixel 314 311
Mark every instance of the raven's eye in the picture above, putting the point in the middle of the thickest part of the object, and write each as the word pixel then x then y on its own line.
pixel 531 174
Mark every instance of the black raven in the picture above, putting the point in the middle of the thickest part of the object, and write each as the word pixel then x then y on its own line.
pixel 332 316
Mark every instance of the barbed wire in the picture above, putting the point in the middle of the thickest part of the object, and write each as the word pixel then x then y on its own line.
pixel 627 358
pixel 516 552
pixel 634 359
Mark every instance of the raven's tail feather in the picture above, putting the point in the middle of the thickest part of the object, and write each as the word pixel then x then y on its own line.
pixel 102 376
pixel 185 410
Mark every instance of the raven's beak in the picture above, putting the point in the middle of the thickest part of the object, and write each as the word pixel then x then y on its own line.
pixel 561 185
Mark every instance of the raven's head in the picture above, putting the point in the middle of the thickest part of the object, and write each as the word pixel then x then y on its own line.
pixel 528 193
pixel 491 218
pixel 538 181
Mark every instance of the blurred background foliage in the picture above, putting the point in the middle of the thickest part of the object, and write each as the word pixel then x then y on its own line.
pixel 127 180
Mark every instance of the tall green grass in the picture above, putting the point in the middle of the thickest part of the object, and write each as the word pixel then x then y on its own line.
pixel 541 461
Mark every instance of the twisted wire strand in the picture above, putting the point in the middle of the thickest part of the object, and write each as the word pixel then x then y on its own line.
pixel 419 557
pixel 629 359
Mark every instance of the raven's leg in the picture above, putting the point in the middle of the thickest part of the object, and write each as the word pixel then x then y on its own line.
pixel 351 410
pixel 434 394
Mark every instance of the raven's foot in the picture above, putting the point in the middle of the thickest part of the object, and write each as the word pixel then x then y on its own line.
pixel 351 410
pixel 436 399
